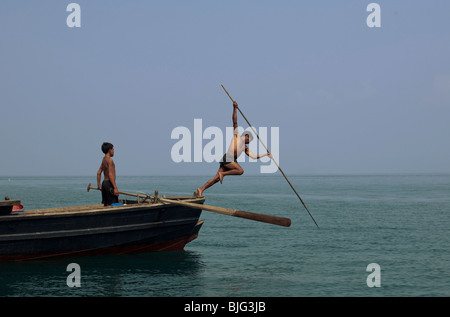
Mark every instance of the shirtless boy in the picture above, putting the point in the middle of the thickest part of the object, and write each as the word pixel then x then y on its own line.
pixel 110 193
pixel 228 163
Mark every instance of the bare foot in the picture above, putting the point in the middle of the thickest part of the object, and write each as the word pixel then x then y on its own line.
pixel 220 177
pixel 199 191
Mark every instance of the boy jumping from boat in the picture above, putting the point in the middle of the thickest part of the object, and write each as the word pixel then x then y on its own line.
pixel 228 163
pixel 110 193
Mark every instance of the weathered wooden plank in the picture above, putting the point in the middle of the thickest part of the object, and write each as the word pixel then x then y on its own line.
pixel 15 202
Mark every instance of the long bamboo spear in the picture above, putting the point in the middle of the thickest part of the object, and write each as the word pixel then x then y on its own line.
pixel 273 159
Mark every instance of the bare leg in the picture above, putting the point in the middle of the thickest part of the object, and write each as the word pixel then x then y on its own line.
pixel 231 169
pixel 209 183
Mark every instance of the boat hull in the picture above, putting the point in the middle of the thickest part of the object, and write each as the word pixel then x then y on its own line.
pixel 97 230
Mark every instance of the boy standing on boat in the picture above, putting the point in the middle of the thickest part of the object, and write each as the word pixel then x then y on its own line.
pixel 110 193
pixel 228 163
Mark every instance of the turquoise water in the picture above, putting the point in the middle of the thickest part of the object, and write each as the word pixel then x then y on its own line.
pixel 400 222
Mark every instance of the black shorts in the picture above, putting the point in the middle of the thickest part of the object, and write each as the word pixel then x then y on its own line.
pixel 108 196
pixel 227 159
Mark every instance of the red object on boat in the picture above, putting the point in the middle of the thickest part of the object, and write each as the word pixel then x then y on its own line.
pixel 17 208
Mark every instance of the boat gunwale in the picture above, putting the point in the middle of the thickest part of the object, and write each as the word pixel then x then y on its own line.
pixel 7 203
pixel 98 208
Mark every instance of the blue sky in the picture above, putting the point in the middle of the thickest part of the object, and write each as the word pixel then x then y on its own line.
pixel 346 98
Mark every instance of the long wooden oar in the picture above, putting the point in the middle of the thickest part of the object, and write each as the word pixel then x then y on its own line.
pixel 280 221
pixel 273 159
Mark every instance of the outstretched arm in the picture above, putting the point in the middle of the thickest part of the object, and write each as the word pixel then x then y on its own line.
pixel 235 128
pixel 252 155
pixel 235 106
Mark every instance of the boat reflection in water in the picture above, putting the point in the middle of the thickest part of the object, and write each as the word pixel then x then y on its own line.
pixel 152 274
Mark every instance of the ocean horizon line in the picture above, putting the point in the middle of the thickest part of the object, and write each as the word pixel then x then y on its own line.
pixel 246 175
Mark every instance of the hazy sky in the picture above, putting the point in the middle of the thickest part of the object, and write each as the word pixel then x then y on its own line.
pixel 346 98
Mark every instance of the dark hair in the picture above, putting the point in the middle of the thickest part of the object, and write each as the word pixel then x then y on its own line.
pixel 250 135
pixel 106 147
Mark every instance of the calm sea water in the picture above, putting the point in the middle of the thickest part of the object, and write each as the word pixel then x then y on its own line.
pixel 400 222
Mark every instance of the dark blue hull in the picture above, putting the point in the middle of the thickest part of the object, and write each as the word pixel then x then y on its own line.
pixel 95 230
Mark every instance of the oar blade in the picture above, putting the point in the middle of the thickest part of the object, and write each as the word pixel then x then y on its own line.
pixel 274 220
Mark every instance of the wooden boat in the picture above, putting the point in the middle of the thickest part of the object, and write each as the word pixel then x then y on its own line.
pixel 134 227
